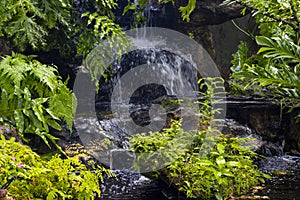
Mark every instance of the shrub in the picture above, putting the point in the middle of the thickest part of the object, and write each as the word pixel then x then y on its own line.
pixel 226 168
pixel 33 97
pixel 201 163
pixel 39 179
pixel 273 71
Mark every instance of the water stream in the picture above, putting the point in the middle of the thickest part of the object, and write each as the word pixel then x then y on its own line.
pixel 137 104
pixel 285 169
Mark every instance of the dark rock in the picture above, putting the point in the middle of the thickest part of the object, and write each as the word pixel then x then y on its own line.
pixel 207 26
pixel 293 133
pixel 268 121
pixel 211 12
pixel 9 132
pixel 254 141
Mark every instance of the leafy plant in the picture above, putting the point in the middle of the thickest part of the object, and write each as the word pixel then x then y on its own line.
pixel 33 97
pixel 272 72
pixel 99 53
pixel 269 13
pixel 226 170
pixel 211 165
pixel 160 148
pixel 39 179
pixel 187 10
pixel 140 6
pixel 30 21
pixel 70 26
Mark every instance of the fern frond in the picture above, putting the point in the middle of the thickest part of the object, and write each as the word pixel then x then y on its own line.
pixel 46 75
pixel 187 10
pixel 61 105
pixel 33 97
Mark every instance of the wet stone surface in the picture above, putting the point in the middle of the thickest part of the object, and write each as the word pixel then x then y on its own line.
pixel 285 184
pixel 134 186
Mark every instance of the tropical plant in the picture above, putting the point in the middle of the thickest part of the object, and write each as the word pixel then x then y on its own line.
pixel 70 26
pixel 33 97
pixel 40 179
pixel 273 71
pixel 201 163
pixel 227 170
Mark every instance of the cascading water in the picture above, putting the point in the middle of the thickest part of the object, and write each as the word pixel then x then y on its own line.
pixel 141 105
pixel 170 77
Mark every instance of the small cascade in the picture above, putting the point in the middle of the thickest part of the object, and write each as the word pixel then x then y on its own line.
pixel 143 104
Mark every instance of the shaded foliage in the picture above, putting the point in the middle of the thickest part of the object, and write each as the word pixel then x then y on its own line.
pixel 273 71
pixel 33 97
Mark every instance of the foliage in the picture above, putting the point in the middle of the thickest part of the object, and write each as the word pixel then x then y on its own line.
pixel 282 12
pixel 98 25
pixel 39 179
pixel 187 10
pixel 211 91
pixel 33 97
pixel 201 163
pixel 161 148
pixel 273 71
pixel 140 6
pixel 100 53
pixel 228 169
pixel 69 26
pixel 29 21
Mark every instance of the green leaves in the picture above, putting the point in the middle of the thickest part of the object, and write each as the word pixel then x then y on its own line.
pixel 39 179
pixel 28 22
pixel 187 10
pixel 33 97
pixel 272 72
pixel 215 165
pixel 283 12
pixel 226 170
pixel 240 57
pixel 279 48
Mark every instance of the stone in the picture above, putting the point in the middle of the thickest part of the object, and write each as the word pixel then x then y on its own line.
pixel 9 132
pixel 264 117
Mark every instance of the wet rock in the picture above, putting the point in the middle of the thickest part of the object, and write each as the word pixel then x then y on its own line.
pixel 254 141
pixel 293 134
pixel 285 171
pixel 200 34
pixel 267 120
pixel 206 12
pixel 234 128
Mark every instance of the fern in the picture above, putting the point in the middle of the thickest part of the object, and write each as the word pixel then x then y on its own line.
pixel 33 97
pixel 107 41
pixel 28 22
pixel 187 10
